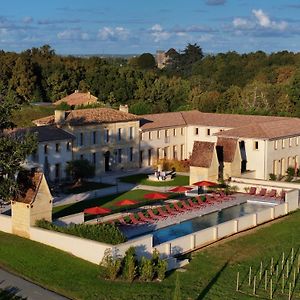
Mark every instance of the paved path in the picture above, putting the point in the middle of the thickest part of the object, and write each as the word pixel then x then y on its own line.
pixel 26 289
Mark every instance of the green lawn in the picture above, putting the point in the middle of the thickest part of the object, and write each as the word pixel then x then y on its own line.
pixel 143 179
pixel 107 201
pixel 84 187
pixel 211 273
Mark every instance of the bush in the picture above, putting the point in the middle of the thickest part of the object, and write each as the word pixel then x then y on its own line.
pixel 112 265
pixel 105 233
pixel 161 269
pixel 146 269
pixel 272 177
pixel 130 268
pixel 177 165
pixel 290 172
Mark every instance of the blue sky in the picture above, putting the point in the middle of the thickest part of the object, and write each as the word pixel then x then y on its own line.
pixel 137 26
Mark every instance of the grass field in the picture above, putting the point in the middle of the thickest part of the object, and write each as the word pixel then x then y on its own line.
pixel 211 273
pixel 143 179
pixel 107 201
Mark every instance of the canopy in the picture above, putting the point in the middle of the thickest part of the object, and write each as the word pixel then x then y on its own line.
pixel 97 210
pixel 155 196
pixel 126 202
pixel 205 183
pixel 180 189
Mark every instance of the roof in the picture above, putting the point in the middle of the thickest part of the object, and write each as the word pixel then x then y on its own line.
pixel 78 98
pixel 202 154
pixel 91 116
pixel 29 186
pixel 43 133
pixel 283 128
pixel 228 148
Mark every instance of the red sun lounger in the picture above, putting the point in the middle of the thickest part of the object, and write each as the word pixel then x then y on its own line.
pixel 134 220
pixel 193 204
pixel 162 213
pixel 185 206
pixel 262 192
pixel 154 216
pixel 144 218
pixel 180 209
pixel 252 190
pixel 171 211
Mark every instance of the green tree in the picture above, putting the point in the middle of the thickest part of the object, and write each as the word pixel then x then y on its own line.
pixel 146 61
pixel 80 169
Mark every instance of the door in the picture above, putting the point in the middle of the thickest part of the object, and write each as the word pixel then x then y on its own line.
pixel 106 161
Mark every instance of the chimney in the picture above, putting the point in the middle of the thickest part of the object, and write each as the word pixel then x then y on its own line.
pixel 59 116
pixel 123 108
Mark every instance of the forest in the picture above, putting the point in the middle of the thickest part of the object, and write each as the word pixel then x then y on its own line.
pixel 252 83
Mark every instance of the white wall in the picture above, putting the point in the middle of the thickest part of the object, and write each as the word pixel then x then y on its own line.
pixel 5 223
pixel 246 222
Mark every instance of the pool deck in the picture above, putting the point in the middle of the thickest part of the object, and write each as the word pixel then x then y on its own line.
pixel 131 231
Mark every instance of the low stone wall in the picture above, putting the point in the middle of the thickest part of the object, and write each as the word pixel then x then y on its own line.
pixel 5 223
pixel 265 215
pixel 280 210
pixel 246 222
pixel 226 229
pixel 205 236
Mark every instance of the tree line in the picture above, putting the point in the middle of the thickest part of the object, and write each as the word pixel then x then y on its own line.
pixel 253 83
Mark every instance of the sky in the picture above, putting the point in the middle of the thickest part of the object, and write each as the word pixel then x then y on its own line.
pixel 138 26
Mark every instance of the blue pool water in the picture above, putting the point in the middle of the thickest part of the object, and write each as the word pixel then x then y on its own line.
pixel 178 230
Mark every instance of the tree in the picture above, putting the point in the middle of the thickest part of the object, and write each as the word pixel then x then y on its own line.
pixel 146 61
pixel 191 54
pixel 80 169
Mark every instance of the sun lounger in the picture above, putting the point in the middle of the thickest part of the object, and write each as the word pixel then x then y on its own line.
pixel 185 206
pixel 180 209
pixel 200 202
pixel 171 211
pixel 282 195
pixel 134 220
pixel 272 193
pixel 262 192
pixel 252 190
pixel 122 221
pixel 154 216
pixel 144 218
pixel 162 213
pixel 193 204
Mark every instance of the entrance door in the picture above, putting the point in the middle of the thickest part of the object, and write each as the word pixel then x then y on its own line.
pixel 106 161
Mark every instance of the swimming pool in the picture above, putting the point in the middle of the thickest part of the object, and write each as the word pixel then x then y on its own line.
pixel 193 225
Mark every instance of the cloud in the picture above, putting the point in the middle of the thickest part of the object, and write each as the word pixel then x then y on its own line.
pixel 73 34
pixel 27 20
pixel 215 2
pixel 159 33
pixel 58 21
pixel 265 21
pixel 113 34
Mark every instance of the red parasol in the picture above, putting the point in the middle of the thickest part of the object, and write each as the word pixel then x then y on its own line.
pixel 180 189
pixel 97 210
pixel 205 183
pixel 155 196
pixel 126 202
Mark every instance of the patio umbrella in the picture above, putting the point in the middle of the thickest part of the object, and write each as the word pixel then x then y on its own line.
pixel 205 183
pixel 156 196
pixel 180 189
pixel 97 211
pixel 126 202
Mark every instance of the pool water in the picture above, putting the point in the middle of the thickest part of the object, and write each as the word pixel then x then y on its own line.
pixel 199 223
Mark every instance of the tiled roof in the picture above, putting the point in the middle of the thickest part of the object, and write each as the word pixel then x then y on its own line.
pixel 78 98
pixel 228 148
pixel 202 154
pixel 44 133
pixel 29 187
pixel 269 130
pixel 91 116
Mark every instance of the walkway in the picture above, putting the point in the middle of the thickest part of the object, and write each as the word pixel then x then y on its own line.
pixel 26 289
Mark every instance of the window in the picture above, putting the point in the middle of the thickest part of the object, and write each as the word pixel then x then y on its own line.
pixel 150 135
pixel 94 158
pixel 208 131
pixel 182 131
pixel 68 146
pixel 181 152
pixel 157 153
pixel 57 147
pixel 57 171
pixel 130 133
pixel 106 136
pixel 174 152
pixel 158 134
pixel 130 154
pixel 94 137
pixel 255 145
pixel 166 133
pixel 297 141
pixel 81 156
pixel 174 131
pixel 46 149
pixel 119 134
pixel 119 156
pixel 290 142
pixel 81 139
pixel 275 145
pixel 283 144
pixel 149 157
pixel 196 131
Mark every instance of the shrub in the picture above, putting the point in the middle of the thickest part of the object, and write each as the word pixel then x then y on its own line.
pixel 106 233
pixel 161 269
pixel 146 269
pixel 112 265
pixel 290 172
pixel 177 165
pixel 130 266
pixel 272 177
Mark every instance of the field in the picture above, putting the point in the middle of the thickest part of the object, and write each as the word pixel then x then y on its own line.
pixel 211 273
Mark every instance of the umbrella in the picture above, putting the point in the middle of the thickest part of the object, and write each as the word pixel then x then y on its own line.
pixel 156 196
pixel 126 202
pixel 205 183
pixel 97 210
pixel 180 189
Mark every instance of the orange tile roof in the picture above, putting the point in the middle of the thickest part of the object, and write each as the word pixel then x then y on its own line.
pixel 78 98
pixel 29 188
pixel 202 154
pixel 91 116
pixel 228 146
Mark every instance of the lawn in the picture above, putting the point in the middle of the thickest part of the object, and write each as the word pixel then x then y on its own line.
pixel 85 187
pixel 211 273
pixel 143 179
pixel 107 201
